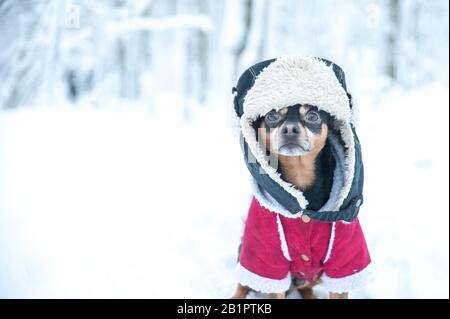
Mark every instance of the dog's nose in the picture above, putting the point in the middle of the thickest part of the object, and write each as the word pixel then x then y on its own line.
pixel 290 129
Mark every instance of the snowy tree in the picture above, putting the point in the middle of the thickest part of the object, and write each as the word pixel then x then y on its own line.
pixel 113 50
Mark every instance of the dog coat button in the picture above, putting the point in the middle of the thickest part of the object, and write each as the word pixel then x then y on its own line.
pixel 306 219
pixel 358 203
pixel 304 257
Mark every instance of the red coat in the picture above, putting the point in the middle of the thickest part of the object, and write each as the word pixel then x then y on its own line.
pixel 274 247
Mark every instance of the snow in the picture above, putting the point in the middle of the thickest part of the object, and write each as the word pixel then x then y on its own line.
pixel 119 201
pixel 102 203
pixel 405 148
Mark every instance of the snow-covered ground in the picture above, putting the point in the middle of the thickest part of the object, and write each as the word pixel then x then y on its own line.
pixel 121 202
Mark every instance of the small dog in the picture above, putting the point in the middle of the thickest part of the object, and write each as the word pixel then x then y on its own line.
pixel 297 137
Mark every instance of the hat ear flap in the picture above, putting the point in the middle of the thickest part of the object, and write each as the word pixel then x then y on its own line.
pixel 245 83
pixel 354 110
pixel 350 101
pixel 235 101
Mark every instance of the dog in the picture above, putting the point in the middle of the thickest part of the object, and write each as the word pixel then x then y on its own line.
pixel 296 137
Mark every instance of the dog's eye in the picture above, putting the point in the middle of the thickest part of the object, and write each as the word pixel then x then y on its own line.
pixel 312 117
pixel 273 117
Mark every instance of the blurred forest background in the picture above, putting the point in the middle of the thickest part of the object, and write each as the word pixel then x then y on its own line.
pixel 119 172
pixel 195 49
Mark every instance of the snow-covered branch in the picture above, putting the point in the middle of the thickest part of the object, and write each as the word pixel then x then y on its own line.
pixel 201 22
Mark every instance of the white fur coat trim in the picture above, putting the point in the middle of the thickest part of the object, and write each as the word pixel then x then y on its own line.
pixel 284 245
pixel 348 283
pixel 265 285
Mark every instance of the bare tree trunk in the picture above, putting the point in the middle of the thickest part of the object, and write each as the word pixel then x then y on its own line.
pixel 203 54
pixel 197 58
pixel 392 39
pixel 248 10
pixel 262 47
pixel 121 57
pixel 53 50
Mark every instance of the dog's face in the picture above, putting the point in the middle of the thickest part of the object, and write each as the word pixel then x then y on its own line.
pixel 297 130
